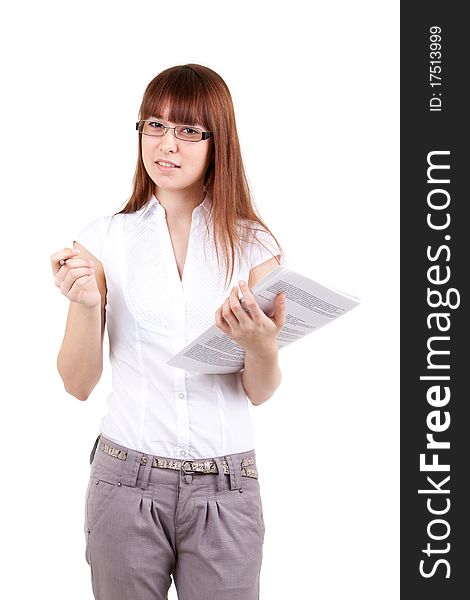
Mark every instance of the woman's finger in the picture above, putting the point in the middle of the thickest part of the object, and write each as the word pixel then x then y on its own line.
pixel 73 276
pixel 252 307
pixel 227 313
pixel 220 321
pixel 73 267
pixel 59 259
pixel 279 316
pixel 241 314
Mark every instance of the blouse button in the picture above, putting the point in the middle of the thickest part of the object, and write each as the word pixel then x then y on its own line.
pixel 180 395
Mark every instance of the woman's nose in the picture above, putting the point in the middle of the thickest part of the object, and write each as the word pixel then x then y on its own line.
pixel 168 141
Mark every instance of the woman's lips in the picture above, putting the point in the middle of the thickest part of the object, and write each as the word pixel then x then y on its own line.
pixel 165 167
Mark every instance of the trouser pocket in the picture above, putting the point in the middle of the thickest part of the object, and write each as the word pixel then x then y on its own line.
pixel 102 489
pixel 252 498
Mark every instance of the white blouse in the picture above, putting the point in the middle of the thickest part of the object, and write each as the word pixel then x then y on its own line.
pixel 151 315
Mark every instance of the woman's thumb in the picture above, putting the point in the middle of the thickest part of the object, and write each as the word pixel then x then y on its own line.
pixel 280 309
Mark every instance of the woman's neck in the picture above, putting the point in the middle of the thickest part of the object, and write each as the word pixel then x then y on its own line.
pixel 180 204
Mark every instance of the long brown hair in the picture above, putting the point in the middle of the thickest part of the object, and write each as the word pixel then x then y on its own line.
pixel 197 94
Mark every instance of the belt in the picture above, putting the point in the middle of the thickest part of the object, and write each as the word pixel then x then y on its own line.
pixel 195 466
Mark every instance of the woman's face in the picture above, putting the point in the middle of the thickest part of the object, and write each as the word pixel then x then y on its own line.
pixel 192 159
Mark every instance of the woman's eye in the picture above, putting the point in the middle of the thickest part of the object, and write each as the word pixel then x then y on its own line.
pixel 156 125
pixel 189 130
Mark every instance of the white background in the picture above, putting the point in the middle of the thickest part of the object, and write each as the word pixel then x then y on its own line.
pixel 325 181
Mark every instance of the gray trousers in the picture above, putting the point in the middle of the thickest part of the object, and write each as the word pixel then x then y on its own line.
pixel 143 524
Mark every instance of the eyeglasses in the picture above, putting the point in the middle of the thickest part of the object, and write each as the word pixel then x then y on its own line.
pixel 182 132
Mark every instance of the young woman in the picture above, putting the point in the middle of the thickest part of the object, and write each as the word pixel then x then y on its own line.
pixel 173 486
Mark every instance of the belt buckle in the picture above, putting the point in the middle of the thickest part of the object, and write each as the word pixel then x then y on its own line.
pixel 183 467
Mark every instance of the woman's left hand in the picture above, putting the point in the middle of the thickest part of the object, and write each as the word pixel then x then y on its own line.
pixel 252 330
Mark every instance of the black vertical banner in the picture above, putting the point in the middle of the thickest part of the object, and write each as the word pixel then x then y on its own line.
pixel 435 270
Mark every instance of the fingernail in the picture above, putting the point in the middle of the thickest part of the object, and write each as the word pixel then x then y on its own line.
pixel 75 250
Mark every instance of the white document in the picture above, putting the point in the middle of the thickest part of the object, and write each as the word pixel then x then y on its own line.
pixel 309 306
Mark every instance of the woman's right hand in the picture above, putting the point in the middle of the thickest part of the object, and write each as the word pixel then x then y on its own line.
pixel 76 277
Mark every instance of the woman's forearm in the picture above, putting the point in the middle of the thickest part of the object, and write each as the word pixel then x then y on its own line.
pixel 261 376
pixel 80 359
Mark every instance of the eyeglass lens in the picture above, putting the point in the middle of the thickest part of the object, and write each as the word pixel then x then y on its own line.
pixel 183 132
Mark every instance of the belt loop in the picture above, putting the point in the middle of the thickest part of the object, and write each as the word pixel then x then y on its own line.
pixel 220 475
pixel 235 473
pixel 92 454
pixel 146 473
pixel 131 469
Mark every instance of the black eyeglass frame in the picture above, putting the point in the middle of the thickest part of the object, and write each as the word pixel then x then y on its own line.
pixel 204 134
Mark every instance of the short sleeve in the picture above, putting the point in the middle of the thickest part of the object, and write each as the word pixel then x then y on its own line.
pixel 93 235
pixel 263 247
